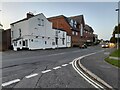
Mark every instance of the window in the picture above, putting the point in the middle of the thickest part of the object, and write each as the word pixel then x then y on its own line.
pixel 19 32
pixel 12 33
pixel 40 22
pixel 63 41
pixel 76 33
pixel 53 43
pixel 31 40
pixel 73 32
pixel 63 34
pixel 23 43
pixel 15 43
pixel 71 22
pixel 75 24
pixel 56 40
pixel 45 42
pixel 20 42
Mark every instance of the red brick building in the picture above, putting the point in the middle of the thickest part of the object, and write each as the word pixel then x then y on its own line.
pixel 5 39
pixel 74 26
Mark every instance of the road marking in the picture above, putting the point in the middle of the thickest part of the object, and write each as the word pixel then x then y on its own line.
pixel 32 75
pixel 70 62
pixel 10 82
pixel 57 67
pixel 95 84
pixel 106 53
pixel 46 71
pixel 64 65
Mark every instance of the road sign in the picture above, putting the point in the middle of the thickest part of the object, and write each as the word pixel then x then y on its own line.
pixel 117 35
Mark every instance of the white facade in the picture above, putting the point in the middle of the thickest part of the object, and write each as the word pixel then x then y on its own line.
pixel 36 33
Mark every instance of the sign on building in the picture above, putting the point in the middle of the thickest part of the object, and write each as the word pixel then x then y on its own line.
pixel 117 35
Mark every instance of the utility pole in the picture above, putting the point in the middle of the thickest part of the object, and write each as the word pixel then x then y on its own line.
pixel 118 35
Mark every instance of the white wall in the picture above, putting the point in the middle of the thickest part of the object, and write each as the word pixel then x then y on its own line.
pixel 39 36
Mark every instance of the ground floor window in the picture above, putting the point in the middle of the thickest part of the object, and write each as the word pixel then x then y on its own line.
pixel 56 40
pixel 63 41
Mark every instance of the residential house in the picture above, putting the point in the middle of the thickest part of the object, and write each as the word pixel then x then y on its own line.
pixel 88 35
pixel 62 39
pixel 74 26
pixel 33 32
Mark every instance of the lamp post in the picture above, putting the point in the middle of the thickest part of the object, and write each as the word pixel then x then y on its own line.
pixel 118 36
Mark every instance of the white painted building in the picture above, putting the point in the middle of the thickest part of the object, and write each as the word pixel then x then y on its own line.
pixel 34 32
pixel 62 39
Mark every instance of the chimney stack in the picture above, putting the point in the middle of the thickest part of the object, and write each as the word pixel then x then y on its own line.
pixel 29 15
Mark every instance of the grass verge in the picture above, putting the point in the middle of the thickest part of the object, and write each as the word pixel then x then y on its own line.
pixel 113 62
pixel 116 53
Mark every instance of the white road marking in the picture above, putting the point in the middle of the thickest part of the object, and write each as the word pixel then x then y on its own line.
pixel 95 84
pixel 106 53
pixel 70 62
pixel 10 82
pixel 46 71
pixel 57 67
pixel 32 75
pixel 64 65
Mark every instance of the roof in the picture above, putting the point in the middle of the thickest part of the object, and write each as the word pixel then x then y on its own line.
pixel 78 19
pixel 19 21
pixel 24 19
pixel 88 28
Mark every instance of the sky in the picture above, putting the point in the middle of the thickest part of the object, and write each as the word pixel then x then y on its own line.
pixel 101 16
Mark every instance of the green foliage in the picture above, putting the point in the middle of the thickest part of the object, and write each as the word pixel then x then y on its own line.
pixel 113 62
pixel 116 53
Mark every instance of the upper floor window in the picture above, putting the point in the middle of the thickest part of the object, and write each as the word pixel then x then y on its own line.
pixel 76 33
pixel 19 32
pixel 40 22
pixel 73 33
pixel 71 22
pixel 12 33
pixel 75 24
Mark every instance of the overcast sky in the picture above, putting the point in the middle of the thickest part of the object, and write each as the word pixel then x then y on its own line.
pixel 101 16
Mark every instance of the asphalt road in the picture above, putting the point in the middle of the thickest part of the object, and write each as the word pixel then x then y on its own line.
pixel 44 68
pixel 107 72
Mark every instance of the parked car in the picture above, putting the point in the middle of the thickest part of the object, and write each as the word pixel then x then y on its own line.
pixel 105 45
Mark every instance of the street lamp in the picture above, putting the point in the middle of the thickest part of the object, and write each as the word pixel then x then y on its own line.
pixel 118 30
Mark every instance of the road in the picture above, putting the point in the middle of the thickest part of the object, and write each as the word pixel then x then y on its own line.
pixel 44 68
pixel 99 67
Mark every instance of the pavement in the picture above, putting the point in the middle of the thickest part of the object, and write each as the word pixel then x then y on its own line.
pixel 45 68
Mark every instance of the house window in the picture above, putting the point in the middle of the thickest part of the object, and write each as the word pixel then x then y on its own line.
pixel 71 22
pixel 23 43
pixel 12 33
pixel 63 41
pixel 63 34
pixel 15 43
pixel 76 33
pixel 20 42
pixel 31 40
pixel 56 40
pixel 75 24
pixel 45 42
pixel 73 33
pixel 53 43
pixel 19 32
pixel 40 22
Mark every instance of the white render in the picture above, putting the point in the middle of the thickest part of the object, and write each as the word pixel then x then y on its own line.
pixel 36 33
